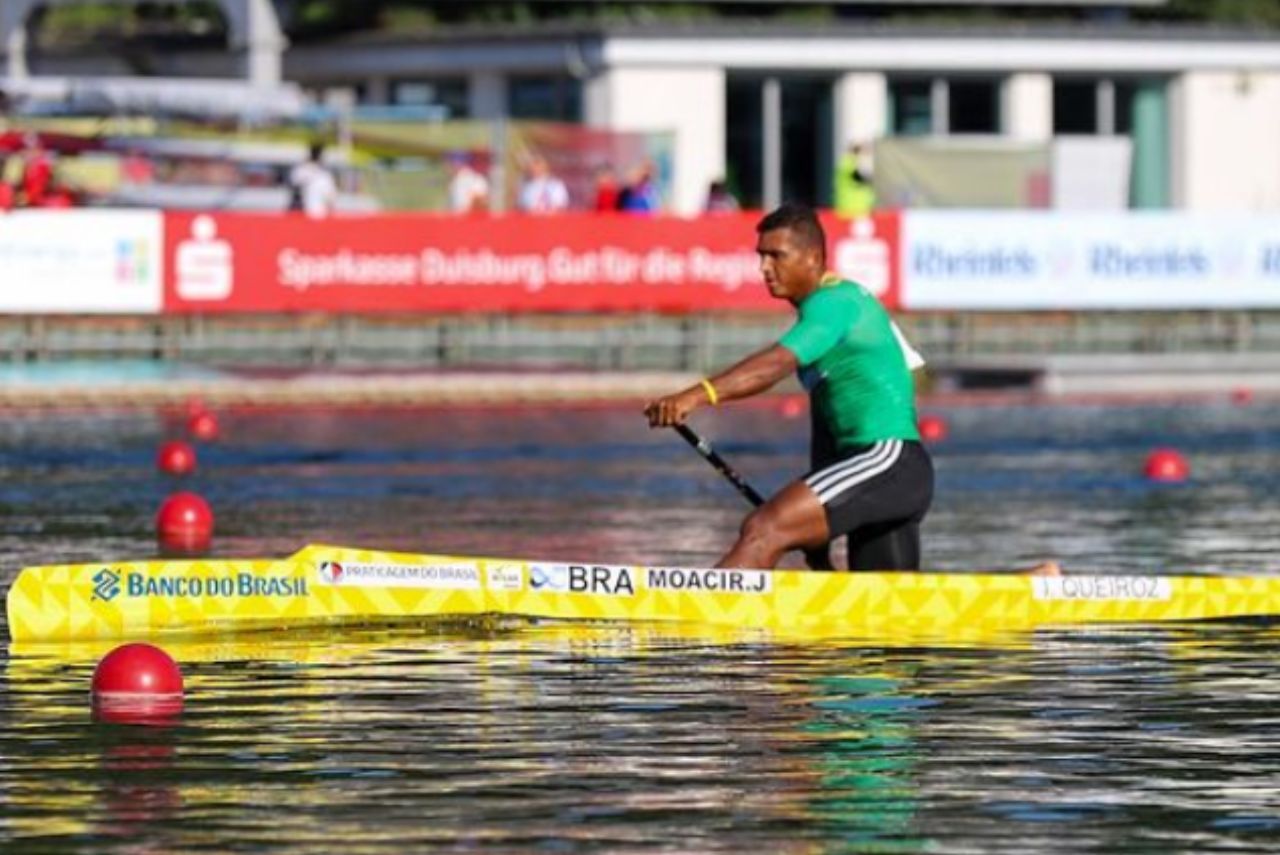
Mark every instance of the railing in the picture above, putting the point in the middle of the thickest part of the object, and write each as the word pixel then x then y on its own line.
pixel 605 341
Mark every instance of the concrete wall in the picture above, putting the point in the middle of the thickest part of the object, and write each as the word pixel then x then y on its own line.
pixel 1226 133
pixel 687 101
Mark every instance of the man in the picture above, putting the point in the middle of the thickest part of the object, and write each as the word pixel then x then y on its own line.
pixel 542 192
pixel 312 188
pixel 468 189
pixel 854 194
pixel 871 479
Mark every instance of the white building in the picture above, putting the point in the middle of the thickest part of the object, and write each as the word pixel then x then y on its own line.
pixel 1203 110
pixel 771 105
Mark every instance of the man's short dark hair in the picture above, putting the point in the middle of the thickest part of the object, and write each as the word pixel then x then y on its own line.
pixel 801 220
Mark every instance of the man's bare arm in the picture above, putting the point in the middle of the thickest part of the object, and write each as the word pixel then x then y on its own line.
pixel 757 373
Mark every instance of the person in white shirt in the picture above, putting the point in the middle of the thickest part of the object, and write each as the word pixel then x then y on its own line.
pixel 313 189
pixel 542 193
pixel 468 188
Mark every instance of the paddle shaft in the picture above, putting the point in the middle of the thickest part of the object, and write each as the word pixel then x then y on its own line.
pixel 818 558
pixel 710 455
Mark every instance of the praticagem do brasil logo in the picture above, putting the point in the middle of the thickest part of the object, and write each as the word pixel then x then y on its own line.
pixel 106 585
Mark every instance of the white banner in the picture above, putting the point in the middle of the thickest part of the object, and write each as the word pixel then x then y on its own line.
pixel 1047 260
pixel 81 262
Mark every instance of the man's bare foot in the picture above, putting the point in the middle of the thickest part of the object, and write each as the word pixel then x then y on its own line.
pixel 1045 568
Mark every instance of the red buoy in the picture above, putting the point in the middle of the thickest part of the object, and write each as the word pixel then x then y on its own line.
pixel 203 425
pixel 1242 395
pixel 137 684
pixel 176 458
pixel 1167 465
pixel 932 428
pixel 184 523
pixel 792 407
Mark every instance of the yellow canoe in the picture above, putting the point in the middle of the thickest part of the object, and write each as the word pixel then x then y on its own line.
pixel 327 586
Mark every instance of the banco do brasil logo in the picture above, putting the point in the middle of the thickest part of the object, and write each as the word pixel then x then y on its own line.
pixel 106 585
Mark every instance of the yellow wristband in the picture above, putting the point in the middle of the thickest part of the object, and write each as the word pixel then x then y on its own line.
pixel 712 396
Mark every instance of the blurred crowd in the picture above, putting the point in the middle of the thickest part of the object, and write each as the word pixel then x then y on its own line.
pixel 541 191
pixel 28 180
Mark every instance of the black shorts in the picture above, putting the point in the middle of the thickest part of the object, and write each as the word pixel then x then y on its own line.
pixel 877 494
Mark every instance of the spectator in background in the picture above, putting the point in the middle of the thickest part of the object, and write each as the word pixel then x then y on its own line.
pixel 719 199
pixel 854 194
pixel 135 168
pixel 468 189
pixel 640 196
pixel 542 192
pixel 7 197
pixel 37 172
pixel 606 190
pixel 312 187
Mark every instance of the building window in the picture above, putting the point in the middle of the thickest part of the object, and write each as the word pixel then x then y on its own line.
pixel 1124 96
pixel 552 98
pixel 744 140
pixel 1094 106
pixel 973 107
pixel 449 92
pixel 1075 107
pixel 803 133
pixel 912 107
pixel 920 106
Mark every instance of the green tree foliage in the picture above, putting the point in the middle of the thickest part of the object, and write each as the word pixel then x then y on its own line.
pixel 82 22
pixel 1233 12
pixel 394 14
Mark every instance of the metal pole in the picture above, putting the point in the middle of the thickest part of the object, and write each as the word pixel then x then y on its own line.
pixel 940 106
pixel 1106 107
pixel 498 165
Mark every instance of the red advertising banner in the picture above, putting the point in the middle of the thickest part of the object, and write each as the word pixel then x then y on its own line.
pixel 430 263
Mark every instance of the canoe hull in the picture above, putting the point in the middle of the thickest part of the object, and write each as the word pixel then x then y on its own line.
pixel 327 585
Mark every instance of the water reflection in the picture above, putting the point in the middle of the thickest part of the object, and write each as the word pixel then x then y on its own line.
pixel 615 738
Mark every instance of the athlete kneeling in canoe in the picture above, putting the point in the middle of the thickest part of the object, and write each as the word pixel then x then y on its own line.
pixel 871 478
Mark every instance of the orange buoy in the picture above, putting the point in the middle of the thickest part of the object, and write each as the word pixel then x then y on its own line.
pixel 1167 465
pixel 176 458
pixel 137 684
pixel 932 428
pixel 203 426
pixel 184 523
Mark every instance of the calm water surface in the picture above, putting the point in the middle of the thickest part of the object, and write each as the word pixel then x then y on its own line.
pixel 540 738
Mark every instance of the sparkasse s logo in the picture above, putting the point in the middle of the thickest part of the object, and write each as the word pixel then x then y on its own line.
pixel 106 585
pixel 204 264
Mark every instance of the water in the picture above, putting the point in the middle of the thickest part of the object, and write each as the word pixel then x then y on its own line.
pixel 544 738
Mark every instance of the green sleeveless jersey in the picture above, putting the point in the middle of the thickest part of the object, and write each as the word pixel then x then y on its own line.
pixel 853 366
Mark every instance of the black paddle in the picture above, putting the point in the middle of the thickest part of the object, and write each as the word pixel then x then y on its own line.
pixel 818 559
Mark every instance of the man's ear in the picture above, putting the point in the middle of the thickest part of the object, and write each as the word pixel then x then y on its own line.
pixel 816 259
